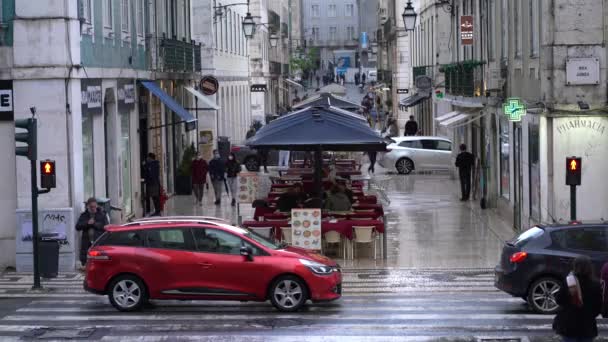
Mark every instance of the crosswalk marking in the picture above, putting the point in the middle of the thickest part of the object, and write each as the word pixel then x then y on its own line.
pixel 377 305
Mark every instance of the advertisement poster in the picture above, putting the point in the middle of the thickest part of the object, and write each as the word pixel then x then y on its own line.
pixel 248 184
pixel 306 228
pixel 205 143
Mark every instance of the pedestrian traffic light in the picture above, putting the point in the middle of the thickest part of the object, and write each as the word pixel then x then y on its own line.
pixel 29 138
pixel 47 174
pixel 573 170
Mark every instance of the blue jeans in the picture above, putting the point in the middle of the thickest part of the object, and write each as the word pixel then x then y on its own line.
pixel 576 339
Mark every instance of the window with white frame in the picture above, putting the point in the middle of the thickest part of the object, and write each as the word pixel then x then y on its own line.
pixel 315 11
pixel 108 17
pixel 534 28
pixel 140 20
pixel 504 15
pixel 333 33
pixel 350 33
pixel 350 10
pixel 124 15
pixel 491 30
pixel 315 33
pixel 331 11
pixel 87 11
pixel 517 23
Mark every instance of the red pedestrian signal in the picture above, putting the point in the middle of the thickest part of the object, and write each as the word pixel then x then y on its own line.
pixel 47 174
pixel 573 170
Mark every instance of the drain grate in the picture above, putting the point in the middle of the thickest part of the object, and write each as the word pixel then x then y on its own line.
pixel 60 333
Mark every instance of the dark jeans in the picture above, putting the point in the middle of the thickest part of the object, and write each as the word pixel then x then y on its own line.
pixel 372 162
pixel 465 184
pixel 198 191
pixel 153 193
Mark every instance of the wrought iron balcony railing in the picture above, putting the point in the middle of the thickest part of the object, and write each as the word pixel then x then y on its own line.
pixel 178 56
pixel 464 78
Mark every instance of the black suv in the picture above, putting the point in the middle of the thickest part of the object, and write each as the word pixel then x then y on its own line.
pixel 534 265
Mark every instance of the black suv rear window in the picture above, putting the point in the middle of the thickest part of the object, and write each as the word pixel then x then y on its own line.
pixel 527 236
pixel 131 238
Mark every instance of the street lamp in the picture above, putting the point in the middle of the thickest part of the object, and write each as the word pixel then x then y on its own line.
pixel 248 26
pixel 274 39
pixel 409 17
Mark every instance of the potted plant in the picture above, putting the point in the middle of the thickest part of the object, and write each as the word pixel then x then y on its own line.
pixel 183 179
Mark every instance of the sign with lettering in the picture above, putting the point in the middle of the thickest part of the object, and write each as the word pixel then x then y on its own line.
pixel 466 29
pixel 209 85
pixel 582 71
pixel 91 96
pixel 6 101
pixel 126 94
pixel 403 91
pixel 258 88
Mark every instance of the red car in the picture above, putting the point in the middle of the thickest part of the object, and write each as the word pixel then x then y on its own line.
pixel 202 259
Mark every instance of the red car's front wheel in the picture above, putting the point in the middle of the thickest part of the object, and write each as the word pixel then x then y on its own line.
pixel 288 293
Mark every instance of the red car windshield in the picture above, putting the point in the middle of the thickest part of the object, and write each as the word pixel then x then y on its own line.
pixel 263 241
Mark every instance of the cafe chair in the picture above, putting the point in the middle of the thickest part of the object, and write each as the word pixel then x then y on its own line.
pixel 276 219
pixel 361 218
pixel 286 235
pixel 263 231
pixel 364 210
pixel 364 235
pixel 334 238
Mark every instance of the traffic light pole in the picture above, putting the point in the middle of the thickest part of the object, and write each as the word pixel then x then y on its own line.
pixel 35 225
pixel 573 202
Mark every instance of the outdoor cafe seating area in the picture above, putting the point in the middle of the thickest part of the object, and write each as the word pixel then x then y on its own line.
pixel 343 233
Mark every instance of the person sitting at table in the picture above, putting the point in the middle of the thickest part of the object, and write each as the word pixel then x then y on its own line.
pixel 342 184
pixel 293 198
pixel 337 200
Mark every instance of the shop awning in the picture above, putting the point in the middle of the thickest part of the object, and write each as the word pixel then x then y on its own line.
pixel 293 83
pixel 447 116
pixel 208 104
pixel 168 101
pixel 414 99
pixel 461 116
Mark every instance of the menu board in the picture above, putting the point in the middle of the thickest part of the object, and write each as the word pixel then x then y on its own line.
pixel 306 228
pixel 247 186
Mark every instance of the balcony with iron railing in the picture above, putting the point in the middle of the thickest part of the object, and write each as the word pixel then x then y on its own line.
pixel 175 55
pixel 464 78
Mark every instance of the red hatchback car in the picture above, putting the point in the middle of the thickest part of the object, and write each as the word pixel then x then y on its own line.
pixel 201 259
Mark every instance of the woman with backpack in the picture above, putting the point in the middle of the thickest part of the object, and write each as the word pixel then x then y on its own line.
pixel 580 301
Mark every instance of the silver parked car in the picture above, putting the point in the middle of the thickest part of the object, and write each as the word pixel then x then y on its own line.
pixel 410 153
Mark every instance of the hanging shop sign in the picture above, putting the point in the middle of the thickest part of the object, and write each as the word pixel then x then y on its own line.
pixel 466 29
pixel 403 91
pixel 209 85
pixel 258 88
pixel 91 95
pixel 126 94
pixel 582 71
pixel 514 109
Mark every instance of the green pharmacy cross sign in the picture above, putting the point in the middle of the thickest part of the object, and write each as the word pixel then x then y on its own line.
pixel 514 108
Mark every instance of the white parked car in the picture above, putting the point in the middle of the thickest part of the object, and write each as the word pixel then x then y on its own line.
pixel 410 153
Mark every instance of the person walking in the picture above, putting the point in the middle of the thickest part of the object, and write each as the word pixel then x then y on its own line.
pixel 200 168
pixel 91 223
pixel 318 81
pixel 580 302
pixel 357 78
pixel 233 168
pixel 604 283
pixel 263 156
pixel 372 161
pixel 216 173
pixel 464 162
pixel 284 159
pixel 152 180
pixel 363 77
pixel 250 133
pixel 392 127
pixel 411 127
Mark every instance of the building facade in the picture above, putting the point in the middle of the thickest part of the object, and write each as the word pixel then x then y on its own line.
pixel 101 91
pixel 524 87
pixel 333 27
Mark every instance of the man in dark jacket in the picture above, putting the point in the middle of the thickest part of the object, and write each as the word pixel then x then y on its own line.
pixel 577 321
pixel 464 162
pixel 91 223
pixel 152 180
pixel 199 177
pixel 411 127
pixel 250 133
pixel 217 173
pixel 293 198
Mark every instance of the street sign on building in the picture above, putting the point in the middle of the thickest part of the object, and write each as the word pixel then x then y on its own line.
pixel 6 101
pixel 258 88
pixel 403 91
pixel 582 71
pixel 514 109
pixel 209 85
pixel 466 29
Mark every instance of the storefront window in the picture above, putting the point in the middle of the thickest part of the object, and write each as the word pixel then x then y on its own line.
pixel 504 158
pixel 534 162
pixel 125 147
pixel 88 160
